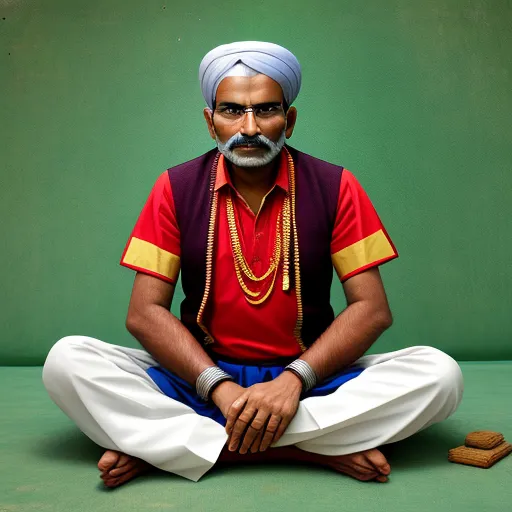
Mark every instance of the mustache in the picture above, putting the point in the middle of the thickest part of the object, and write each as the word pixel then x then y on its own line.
pixel 241 140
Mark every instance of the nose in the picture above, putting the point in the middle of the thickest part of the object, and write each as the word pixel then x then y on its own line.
pixel 249 126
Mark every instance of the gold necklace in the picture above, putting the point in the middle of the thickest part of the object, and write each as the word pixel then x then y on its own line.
pixel 238 256
pixel 240 264
pixel 289 224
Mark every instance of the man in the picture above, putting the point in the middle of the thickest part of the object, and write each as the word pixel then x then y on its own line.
pixel 258 368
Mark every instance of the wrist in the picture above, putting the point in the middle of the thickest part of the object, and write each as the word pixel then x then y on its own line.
pixel 292 379
pixel 209 379
pixel 303 371
pixel 220 390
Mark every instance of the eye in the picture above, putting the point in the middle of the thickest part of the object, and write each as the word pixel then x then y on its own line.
pixel 268 110
pixel 231 111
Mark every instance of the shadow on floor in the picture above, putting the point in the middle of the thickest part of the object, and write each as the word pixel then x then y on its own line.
pixel 68 445
pixel 427 449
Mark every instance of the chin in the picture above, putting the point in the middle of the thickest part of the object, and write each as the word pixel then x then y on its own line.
pixel 250 161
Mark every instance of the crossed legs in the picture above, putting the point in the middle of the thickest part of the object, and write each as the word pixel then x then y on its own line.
pixel 106 391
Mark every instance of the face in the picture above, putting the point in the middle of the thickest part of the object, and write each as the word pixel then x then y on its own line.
pixel 250 140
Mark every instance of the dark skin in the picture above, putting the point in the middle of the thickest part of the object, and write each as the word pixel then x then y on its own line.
pixel 252 184
pixel 259 415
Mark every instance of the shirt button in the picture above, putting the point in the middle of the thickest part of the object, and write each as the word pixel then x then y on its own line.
pixel 256 259
pixel 259 235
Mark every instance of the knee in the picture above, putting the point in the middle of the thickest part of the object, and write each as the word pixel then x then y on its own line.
pixel 446 371
pixel 59 364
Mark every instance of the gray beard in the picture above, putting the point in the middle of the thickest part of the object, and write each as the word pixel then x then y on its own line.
pixel 272 149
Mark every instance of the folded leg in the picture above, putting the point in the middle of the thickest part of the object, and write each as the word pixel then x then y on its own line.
pixel 106 391
pixel 397 395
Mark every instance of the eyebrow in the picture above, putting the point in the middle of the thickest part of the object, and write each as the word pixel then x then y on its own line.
pixel 230 104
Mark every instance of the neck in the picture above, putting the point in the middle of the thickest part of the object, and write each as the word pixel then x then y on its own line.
pixel 257 179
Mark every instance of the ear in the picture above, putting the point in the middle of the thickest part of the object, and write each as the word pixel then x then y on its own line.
pixel 208 116
pixel 291 118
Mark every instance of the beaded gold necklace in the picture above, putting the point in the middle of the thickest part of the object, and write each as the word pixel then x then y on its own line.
pixel 286 223
pixel 241 266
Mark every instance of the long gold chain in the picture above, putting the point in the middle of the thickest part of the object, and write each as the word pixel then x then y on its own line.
pixel 214 198
pixel 281 246
pixel 288 224
pixel 274 266
pixel 296 259
pixel 237 248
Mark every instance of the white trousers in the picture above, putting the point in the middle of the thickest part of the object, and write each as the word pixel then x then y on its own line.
pixel 106 391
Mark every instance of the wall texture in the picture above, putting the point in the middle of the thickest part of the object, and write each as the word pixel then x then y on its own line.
pixel 99 97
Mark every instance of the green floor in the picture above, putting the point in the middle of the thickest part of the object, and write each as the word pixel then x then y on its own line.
pixel 46 464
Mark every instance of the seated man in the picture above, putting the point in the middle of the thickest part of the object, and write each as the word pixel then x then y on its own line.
pixel 258 368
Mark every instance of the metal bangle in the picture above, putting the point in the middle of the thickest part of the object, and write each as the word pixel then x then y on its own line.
pixel 304 372
pixel 208 378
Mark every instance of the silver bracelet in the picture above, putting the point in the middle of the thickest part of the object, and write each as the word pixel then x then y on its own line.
pixel 209 378
pixel 305 373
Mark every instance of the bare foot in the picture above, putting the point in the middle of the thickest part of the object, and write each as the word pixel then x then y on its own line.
pixel 364 466
pixel 117 468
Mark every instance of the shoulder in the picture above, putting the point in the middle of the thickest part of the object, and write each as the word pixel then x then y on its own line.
pixel 319 165
pixel 197 164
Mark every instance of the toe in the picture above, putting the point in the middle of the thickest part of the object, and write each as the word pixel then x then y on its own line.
pixel 121 470
pixel 379 461
pixel 108 460
pixel 354 473
pixel 123 460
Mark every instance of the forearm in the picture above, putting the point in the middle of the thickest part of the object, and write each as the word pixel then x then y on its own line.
pixel 349 336
pixel 169 342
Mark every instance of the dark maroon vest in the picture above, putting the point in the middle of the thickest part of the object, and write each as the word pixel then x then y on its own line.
pixel 317 190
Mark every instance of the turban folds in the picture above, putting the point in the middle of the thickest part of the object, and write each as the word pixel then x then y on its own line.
pixel 267 58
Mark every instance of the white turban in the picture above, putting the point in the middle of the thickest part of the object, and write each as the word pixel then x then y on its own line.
pixel 267 58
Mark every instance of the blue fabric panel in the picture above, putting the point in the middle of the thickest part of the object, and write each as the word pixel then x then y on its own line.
pixel 176 388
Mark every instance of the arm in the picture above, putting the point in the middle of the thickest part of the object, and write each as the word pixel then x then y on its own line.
pixel 160 332
pixel 355 330
pixel 270 407
pixel 167 339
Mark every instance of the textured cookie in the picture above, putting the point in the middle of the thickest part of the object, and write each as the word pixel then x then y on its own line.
pixel 477 457
pixel 484 439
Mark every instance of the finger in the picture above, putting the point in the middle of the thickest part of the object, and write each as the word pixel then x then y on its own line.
pixel 240 427
pixel 123 469
pixel 270 431
pixel 280 430
pixel 234 411
pixel 254 428
pixel 257 442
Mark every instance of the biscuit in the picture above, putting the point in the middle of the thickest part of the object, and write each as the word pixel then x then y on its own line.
pixel 477 457
pixel 484 439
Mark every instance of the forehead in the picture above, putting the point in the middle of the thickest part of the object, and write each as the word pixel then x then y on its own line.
pixel 246 90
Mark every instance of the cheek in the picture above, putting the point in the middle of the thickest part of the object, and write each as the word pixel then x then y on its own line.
pixel 274 131
pixel 224 133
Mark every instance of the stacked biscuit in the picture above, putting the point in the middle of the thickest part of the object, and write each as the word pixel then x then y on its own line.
pixel 482 449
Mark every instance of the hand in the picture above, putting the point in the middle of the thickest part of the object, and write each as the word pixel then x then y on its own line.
pixel 262 413
pixel 225 394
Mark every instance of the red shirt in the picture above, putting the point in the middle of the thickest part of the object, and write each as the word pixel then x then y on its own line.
pixel 242 330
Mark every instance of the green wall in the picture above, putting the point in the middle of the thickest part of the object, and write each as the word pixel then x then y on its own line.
pixel 99 97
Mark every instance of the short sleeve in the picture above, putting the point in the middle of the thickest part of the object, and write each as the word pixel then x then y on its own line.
pixel 154 245
pixel 359 239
